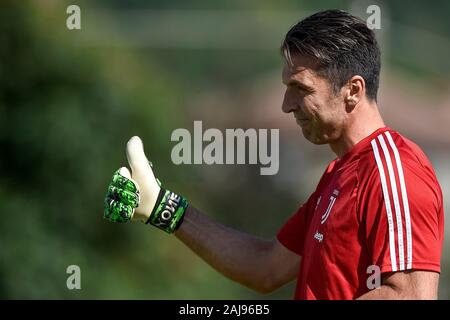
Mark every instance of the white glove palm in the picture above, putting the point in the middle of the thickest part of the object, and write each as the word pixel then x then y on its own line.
pixel 142 173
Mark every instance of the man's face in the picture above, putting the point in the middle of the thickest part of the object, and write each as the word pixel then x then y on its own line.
pixel 318 111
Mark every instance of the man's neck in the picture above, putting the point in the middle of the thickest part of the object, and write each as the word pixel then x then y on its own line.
pixel 361 124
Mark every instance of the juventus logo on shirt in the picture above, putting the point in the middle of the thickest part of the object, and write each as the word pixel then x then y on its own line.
pixel 330 206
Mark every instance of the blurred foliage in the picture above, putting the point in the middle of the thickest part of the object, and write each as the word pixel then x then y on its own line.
pixel 66 112
pixel 65 117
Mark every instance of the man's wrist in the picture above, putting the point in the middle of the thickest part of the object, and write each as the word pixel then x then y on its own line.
pixel 169 211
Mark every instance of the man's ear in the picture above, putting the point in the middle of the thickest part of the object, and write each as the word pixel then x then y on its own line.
pixel 354 92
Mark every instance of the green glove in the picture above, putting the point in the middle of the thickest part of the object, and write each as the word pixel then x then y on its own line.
pixel 139 196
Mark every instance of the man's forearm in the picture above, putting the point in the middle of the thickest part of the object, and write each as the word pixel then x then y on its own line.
pixel 383 293
pixel 410 285
pixel 238 256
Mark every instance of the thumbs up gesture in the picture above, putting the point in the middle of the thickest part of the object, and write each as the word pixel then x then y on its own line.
pixel 142 173
pixel 138 196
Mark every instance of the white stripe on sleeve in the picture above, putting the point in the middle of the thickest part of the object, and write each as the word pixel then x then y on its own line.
pixel 387 203
pixel 398 212
pixel 405 200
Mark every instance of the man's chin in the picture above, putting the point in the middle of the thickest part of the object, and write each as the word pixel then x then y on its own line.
pixel 311 137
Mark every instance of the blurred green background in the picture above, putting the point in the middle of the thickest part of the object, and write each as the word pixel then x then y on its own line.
pixel 70 99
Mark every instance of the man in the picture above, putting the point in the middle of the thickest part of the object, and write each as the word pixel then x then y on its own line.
pixel 377 205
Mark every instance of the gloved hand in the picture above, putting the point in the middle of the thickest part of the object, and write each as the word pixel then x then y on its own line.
pixel 139 197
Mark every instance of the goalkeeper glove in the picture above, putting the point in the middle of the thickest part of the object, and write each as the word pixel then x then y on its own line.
pixel 138 195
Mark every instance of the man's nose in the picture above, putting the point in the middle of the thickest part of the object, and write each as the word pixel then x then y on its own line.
pixel 288 105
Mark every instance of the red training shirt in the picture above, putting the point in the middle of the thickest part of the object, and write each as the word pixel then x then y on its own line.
pixel 379 205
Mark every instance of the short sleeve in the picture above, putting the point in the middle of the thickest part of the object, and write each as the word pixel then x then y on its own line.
pixel 400 206
pixel 292 233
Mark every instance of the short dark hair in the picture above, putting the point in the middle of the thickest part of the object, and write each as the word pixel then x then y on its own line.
pixel 341 43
